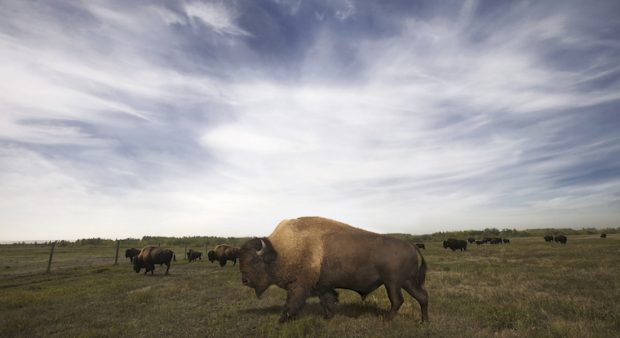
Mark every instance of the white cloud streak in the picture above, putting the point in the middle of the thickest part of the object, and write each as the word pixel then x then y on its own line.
pixel 415 144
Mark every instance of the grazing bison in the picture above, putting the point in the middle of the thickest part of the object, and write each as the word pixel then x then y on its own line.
pixel 131 253
pixel 193 255
pixel 603 235
pixel 223 253
pixel 421 245
pixel 151 255
pixel 506 241
pixel 455 244
pixel 548 238
pixel 479 242
pixel 471 240
pixel 314 256
pixel 496 240
pixel 560 239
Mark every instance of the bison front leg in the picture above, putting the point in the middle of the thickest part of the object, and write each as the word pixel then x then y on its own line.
pixel 295 300
pixel 167 267
pixel 328 301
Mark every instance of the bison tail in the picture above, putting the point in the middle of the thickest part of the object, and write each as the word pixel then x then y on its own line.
pixel 421 275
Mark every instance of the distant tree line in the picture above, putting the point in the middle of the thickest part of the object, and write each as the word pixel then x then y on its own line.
pixel 504 233
pixel 212 241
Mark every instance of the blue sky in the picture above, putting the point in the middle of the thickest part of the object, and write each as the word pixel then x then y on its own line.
pixel 222 118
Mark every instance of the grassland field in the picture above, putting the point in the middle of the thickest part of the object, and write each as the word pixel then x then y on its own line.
pixel 528 288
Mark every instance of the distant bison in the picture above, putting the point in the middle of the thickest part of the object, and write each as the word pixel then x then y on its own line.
pixel 479 242
pixel 548 238
pixel 506 241
pixel 314 256
pixel 131 253
pixel 496 240
pixel 421 245
pixel 223 253
pixel 471 240
pixel 193 255
pixel 455 244
pixel 603 235
pixel 560 239
pixel 151 255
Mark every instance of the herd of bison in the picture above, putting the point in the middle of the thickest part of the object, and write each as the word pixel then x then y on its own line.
pixel 314 256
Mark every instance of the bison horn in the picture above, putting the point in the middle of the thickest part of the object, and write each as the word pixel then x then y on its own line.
pixel 262 249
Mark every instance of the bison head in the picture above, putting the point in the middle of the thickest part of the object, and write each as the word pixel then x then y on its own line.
pixel 137 264
pixel 255 258
pixel 211 255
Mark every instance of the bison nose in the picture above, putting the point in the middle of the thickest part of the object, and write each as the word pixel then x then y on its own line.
pixel 245 281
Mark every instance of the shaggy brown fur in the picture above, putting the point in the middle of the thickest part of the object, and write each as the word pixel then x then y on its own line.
pixel 313 256
pixel 151 255
pixel 194 255
pixel 131 253
pixel 223 253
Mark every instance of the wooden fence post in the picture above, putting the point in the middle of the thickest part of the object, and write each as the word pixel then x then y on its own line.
pixel 49 263
pixel 118 244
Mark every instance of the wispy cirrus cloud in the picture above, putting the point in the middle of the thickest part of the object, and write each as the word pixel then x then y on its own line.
pixel 225 117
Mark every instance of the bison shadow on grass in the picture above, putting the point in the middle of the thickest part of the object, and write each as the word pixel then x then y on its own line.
pixel 351 310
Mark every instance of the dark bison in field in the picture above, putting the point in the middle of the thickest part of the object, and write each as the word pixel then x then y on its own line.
pixel 223 253
pixel 496 240
pixel 455 244
pixel 506 241
pixel 479 242
pixel 193 255
pixel 471 240
pixel 548 238
pixel 131 253
pixel 560 239
pixel 314 256
pixel 421 245
pixel 151 255
pixel 603 235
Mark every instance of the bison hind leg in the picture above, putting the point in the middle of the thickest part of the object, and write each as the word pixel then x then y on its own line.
pixel 396 299
pixel 420 295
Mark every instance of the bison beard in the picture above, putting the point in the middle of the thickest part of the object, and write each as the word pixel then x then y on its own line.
pixel 313 256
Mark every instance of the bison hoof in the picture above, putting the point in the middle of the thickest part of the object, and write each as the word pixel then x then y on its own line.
pixel 285 317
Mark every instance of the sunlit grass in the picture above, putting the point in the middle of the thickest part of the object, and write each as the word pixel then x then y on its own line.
pixel 528 288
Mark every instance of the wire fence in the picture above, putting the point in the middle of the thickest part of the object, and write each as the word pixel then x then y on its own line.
pixel 51 257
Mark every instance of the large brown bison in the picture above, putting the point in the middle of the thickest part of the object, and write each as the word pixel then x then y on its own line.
pixel 151 255
pixel 548 238
pixel 194 255
pixel 223 253
pixel 313 256
pixel 131 253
